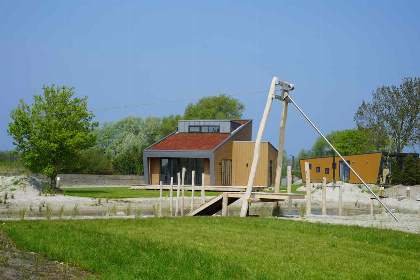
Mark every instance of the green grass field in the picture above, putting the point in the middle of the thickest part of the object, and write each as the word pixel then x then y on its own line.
pixel 221 248
pixel 120 192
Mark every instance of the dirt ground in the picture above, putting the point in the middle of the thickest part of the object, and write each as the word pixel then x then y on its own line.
pixel 16 264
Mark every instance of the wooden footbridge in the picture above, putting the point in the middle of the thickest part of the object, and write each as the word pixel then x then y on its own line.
pixel 222 201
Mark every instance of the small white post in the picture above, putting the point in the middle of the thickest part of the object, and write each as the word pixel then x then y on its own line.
pixel 289 187
pixel 160 199
pixel 340 199
pixel 177 194
pixel 407 191
pixel 58 182
pixel 371 206
pixel 225 204
pixel 171 190
pixel 203 192
pixel 183 191
pixel 308 189
pixel 192 189
pixel 324 196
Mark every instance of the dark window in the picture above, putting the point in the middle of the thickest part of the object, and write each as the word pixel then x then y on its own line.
pixel 214 129
pixel 310 166
pixel 327 171
pixel 318 169
pixel 194 128
pixel 204 129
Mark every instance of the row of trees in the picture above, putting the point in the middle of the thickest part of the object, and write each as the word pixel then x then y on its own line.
pixel 57 133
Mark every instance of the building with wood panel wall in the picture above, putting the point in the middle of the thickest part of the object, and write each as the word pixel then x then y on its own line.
pixel 368 166
pixel 221 149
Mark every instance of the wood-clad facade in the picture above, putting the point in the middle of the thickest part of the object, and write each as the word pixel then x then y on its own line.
pixel 367 166
pixel 243 153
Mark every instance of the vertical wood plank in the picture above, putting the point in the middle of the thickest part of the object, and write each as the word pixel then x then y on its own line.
pixel 183 191
pixel 340 199
pixel 324 196
pixel 289 187
pixel 203 192
pixel 225 205
pixel 177 194
pixel 308 189
pixel 171 201
pixel 192 189
pixel 280 150
pixel 160 198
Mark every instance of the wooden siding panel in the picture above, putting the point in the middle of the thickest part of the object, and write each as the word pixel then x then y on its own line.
pixel 206 172
pixel 225 150
pixel 243 154
pixel 367 166
pixel 154 171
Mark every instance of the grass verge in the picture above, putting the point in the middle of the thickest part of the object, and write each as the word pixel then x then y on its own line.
pixel 221 248
pixel 122 192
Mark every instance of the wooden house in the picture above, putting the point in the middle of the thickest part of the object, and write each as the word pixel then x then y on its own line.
pixel 221 149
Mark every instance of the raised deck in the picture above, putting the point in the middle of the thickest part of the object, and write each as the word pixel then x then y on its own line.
pixel 197 188
pixel 221 201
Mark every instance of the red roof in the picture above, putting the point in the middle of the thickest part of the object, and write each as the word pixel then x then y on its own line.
pixel 191 141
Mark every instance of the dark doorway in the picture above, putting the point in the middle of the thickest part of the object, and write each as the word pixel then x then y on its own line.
pixel 344 171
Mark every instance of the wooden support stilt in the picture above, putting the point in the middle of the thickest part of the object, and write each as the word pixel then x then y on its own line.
pixel 177 194
pixel 171 195
pixel 371 206
pixel 203 191
pixel 308 189
pixel 280 151
pixel 270 98
pixel 340 199
pixel 183 190
pixel 225 205
pixel 324 196
pixel 160 199
pixel 289 187
pixel 192 189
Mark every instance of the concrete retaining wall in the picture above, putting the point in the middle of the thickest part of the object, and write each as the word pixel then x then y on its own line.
pixel 86 180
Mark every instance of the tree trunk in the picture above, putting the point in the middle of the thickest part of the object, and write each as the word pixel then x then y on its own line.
pixel 53 182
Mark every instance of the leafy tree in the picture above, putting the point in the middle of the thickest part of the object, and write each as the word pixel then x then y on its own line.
pixel 347 142
pixel 410 174
pixel 217 107
pixel 125 140
pixel 393 114
pixel 169 124
pixel 51 134
pixel 92 161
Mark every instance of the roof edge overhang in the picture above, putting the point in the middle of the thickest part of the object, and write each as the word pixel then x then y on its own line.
pixel 232 134
pixel 161 140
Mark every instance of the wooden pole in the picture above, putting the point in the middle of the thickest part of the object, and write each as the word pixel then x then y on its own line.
pixel 192 189
pixel 203 191
pixel 280 151
pixel 171 201
pixel 340 199
pixel 177 194
pixel 160 199
pixel 183 191
pixel 308 189
pixel 324 196
pixel 371 206
pixel 270 98
pixel 289 187
pixel 225 205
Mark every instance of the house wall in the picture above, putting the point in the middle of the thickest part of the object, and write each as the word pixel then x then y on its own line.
pixel 154 171
pixel 224 151
pixel 367 166
pixel 207 172
pixel 243 154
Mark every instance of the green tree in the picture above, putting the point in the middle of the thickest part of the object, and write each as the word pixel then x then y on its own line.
pixel 125 140
pixel 394 113
pixel 217 107
pixel 51 134
pixel 169 124
pixel 92 161
pixel 347 142
pixel 410 174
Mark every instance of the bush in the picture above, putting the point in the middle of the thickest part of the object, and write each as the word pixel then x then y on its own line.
pixel 92 161
pixel 405 171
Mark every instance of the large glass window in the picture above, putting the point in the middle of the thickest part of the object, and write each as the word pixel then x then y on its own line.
pixel 170 167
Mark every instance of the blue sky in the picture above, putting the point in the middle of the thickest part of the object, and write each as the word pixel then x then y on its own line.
pixel 133 52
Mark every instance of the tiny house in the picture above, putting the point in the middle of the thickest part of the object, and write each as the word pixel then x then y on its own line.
pixel 221 149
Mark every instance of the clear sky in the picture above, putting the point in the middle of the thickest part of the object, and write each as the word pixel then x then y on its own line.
pixel 132 52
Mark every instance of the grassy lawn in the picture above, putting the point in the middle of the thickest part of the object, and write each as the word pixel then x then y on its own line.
pixel 221 248
pixel 117 192
pixel 294 189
